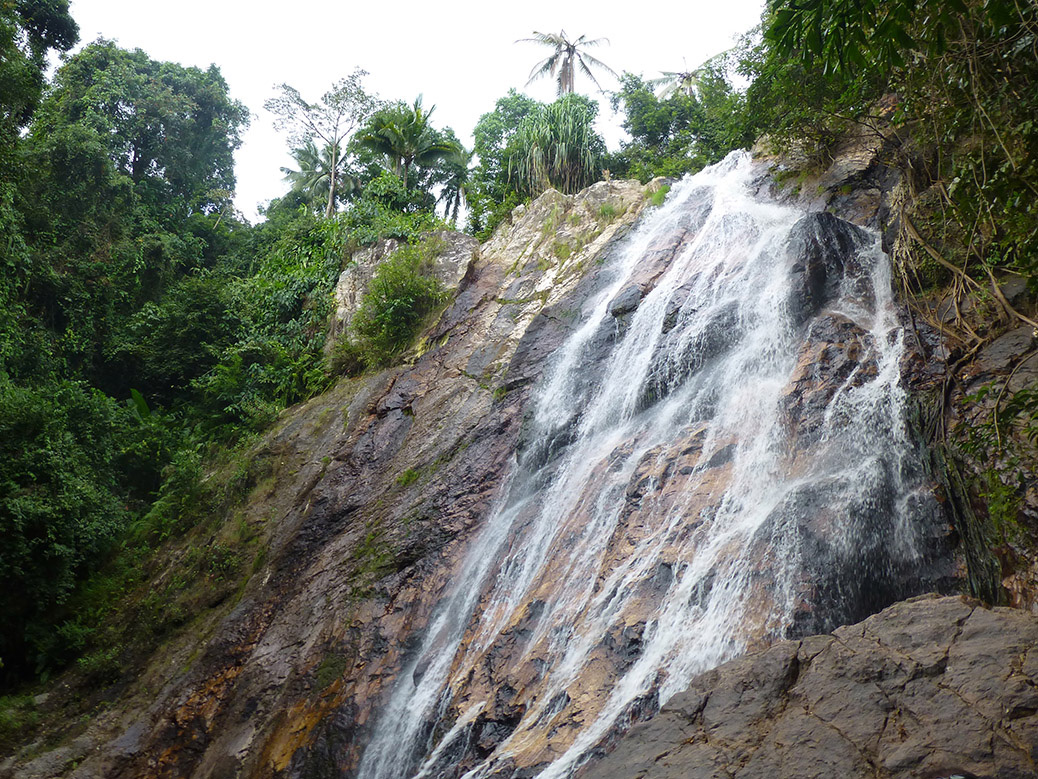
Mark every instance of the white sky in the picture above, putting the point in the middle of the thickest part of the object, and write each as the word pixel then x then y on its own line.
pixel 459 55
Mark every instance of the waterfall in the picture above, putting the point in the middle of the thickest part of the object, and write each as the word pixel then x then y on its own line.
pixel 716 458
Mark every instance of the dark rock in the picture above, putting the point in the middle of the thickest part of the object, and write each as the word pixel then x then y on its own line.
pixel 930 687
pixel 626 301
pixel 998 355
pixel 825 247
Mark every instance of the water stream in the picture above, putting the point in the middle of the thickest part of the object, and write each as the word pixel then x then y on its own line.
pixel 679 497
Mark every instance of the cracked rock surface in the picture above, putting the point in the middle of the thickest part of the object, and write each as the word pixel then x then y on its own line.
pixel 930 687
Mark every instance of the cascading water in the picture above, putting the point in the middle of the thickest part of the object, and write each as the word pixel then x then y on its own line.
pixel 702 473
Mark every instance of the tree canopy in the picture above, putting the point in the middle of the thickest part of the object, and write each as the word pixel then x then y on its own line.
pixel 327 123
pixel 28 30
pixel 405 136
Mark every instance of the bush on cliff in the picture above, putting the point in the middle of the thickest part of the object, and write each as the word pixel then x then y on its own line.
pixel 397 304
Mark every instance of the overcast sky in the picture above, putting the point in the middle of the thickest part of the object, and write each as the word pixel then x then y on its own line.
pixel 461 56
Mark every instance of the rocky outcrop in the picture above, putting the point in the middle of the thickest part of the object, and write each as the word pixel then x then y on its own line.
pixel 453 260
pixel 976 336
pixel 932 687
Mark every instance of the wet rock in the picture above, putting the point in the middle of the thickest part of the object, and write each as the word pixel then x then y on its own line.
pixel 626 301
pixel 826 247
pixel 930 687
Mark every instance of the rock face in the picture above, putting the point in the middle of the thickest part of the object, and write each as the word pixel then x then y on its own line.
pixel 930 687
pixel 978 342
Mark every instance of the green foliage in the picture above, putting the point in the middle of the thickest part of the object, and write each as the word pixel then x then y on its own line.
pixel 965 74
pixel 72 464
pixel 328 123
pixel 491 195
pixel 29 29
pixel 404 135
pixel 387 210
pixel 169 128
pixel 18 716
pixel 657 198
pixel 124 178
pixel 686 131
pixel 277 317
pixel 398 301
pixel 841 35
pixel 314 178
pixel 798 106
pixel 408 477
pixel 557 146
pixel 169 345
pixel 1003 440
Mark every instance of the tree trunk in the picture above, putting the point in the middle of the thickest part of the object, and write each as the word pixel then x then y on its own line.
pixel 333 170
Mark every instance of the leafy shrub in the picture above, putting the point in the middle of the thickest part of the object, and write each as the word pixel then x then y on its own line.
pixel 18 715
pixel 396 305
pixel 656 198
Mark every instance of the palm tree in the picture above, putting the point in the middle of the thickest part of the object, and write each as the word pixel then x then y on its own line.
pixel 404 135
pixel 454 183
pixel 314 179
pixel 566 59
pixel 689 82
pixel 685 82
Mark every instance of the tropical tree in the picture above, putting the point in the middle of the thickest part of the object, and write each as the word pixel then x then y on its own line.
pixel 491 195
pixel 331 121
pixel 455 184
pixel 28 30
pixel 404 135
pixel 314 176
pixel 133 166
pixel 680 133
pixel 566 59
pixel 557 146
pixel 171 130
pixel 683 82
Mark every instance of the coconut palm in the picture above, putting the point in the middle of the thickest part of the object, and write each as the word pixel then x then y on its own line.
pixel 685 82
pixel 690 82
pixel 455 181
pixel 313 178
pixel 403 134
pixel 568 56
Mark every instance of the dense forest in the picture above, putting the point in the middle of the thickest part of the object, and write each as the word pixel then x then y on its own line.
pixel 150 334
